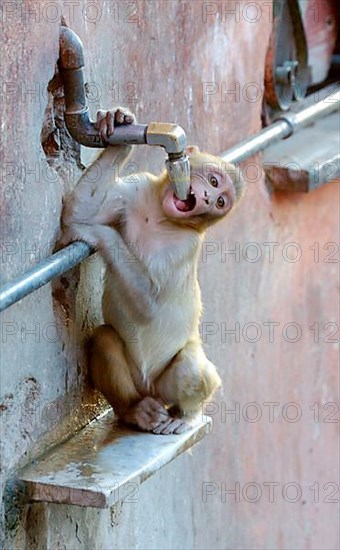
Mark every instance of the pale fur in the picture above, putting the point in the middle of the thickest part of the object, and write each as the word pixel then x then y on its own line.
pixel 171 264
pixel 148 355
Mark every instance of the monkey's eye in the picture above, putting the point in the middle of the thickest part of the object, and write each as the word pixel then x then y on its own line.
pixel 220 202
pixel 213 180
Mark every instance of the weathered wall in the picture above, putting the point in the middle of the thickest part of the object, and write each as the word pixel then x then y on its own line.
pixel 157 57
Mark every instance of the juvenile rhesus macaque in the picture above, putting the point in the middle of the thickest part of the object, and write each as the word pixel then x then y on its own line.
pixel 157 375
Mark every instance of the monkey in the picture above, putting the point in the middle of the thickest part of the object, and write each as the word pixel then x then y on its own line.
pixel 158 379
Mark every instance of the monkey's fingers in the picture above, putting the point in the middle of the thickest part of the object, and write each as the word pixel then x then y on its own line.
pixel 119 116
pixel 129 119
pixel 110 123
pixel 99 117
pixel 106 121
pixel 101 124
pixel 124 116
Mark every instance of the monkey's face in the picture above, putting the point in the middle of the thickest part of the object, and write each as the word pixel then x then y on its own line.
pixel 212 192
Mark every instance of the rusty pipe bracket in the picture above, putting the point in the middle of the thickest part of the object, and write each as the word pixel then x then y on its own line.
pixel 169 136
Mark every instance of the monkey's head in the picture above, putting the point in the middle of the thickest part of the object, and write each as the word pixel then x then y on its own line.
pixel 215 188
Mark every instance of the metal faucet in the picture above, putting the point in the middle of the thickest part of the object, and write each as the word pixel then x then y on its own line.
pixel 170 136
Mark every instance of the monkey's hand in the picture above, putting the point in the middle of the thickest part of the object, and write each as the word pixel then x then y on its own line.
pixel 107 120
pixel 95 200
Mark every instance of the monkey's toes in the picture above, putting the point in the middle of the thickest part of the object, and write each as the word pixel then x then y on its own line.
pixel 172 426
pixel 148 414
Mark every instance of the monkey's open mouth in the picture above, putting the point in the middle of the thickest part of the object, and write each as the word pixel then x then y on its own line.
pixel 187 205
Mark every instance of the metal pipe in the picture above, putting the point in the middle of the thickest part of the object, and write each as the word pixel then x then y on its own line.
pixel 68 257
pixel 260 141
pixel 163 134
pixel 287 124
pixel 43 273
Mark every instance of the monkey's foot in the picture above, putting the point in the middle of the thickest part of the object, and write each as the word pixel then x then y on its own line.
pixel 150 415
pixel 173 426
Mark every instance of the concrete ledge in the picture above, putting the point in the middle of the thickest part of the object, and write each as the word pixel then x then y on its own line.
pixel 104 463
pixel 307 160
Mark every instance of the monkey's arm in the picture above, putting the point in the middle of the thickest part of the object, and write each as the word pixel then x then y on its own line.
pixel 85 218
pixel 130 277
pixel 97 197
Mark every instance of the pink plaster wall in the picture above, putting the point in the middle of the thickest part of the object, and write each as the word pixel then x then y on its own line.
pixel 158 57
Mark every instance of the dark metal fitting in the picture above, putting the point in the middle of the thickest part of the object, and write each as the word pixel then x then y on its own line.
pixel 286 73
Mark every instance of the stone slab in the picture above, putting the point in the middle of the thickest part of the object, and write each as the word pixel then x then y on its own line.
pixel 104 463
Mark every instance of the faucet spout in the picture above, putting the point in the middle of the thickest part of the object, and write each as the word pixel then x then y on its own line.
pixel 81 127
pixel 173 139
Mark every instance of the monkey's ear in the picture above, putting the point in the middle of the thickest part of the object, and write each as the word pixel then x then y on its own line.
pixel 191 149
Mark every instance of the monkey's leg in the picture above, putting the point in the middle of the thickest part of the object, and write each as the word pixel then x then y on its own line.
pixel 186 383
pixel 111 374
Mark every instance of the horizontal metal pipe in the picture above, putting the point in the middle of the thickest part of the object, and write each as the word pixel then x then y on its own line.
pixel 287 124
pixel 322 108
pixel 73 254
pixel 43 273
pixel 260 141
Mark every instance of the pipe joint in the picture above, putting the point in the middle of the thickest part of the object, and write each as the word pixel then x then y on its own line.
pixel 81 128
pixel 290 119
pixel 170 136
pixel 71 54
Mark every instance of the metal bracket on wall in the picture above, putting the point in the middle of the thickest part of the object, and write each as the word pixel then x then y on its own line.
pixel 287 74
pixel 311 157
pixel 307 160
